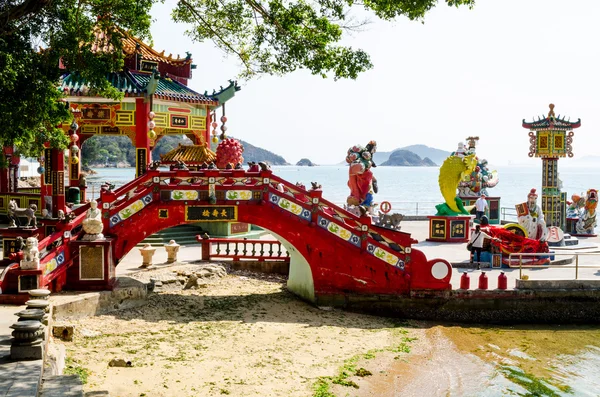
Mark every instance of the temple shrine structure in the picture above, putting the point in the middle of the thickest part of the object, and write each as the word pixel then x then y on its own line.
pixel 551 138
pixel 157 102
pixel 78 246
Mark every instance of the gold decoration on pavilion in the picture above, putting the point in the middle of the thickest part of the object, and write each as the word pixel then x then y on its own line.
pixel 131 45
pixel 189 154
pixel 551 112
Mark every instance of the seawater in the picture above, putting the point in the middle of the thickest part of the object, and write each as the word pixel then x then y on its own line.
pixel 411 189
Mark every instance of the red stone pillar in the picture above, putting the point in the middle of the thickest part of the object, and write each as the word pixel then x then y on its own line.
pixel 208 127
pixel 46 180
pixel 5 172
pixel 15 161
pixel 74 167
pixel 142 141
pixel 57 180
pixel 315 198
pixel 4 186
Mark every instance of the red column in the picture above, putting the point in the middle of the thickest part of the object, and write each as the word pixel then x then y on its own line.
pixel 58 181
pixel 46 181
pixel 207 131
pixel 4 187
pixel 142 141
pixel 15 174
pixel 4 172
pixel 74 168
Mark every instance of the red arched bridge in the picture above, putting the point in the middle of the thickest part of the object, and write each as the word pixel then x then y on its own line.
pixel 332 252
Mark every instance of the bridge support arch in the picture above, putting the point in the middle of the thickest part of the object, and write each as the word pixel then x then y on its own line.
pixel 300 278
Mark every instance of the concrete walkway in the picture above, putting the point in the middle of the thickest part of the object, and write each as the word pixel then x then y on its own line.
pixel 17 378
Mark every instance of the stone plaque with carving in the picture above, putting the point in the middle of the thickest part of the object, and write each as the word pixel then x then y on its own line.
pixel 91 262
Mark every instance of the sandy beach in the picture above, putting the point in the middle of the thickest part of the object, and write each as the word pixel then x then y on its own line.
pixel 245 335
pixel 237 335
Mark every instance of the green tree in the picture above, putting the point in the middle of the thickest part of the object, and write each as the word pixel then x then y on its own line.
pixel 268 37
pixel 36 36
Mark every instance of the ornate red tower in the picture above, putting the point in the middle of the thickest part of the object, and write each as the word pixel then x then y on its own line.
pixel 551 138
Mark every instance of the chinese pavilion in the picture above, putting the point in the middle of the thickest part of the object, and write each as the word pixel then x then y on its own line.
pixel 551 138
pixel 156 102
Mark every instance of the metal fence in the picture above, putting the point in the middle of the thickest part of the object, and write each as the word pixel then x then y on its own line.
pixel 508 215
pixel 576 266
pixel 410 208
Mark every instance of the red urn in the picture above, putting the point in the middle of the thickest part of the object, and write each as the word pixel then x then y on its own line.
pixel 465 281
pixel 502 281
pixel 483 281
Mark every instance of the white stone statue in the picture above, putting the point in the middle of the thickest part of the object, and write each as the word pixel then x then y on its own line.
pixel 31 255
pixel 92 224
pixel 533 218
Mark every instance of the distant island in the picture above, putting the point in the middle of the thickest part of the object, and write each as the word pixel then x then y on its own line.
pixel 436 156
pixel 406 158
pixel 305 163
pixel 256 154
pixel 103 151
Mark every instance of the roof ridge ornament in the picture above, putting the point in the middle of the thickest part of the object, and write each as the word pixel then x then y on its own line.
pixel 551 112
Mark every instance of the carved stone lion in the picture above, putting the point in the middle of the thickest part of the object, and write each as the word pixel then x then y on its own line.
pixel 31 254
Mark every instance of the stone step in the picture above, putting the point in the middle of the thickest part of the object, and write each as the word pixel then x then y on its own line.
pixel 61 386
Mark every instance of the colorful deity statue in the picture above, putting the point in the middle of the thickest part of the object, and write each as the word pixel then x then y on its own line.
pixel 587 215
pixel 575 206
pixel 361 182
pixel 475 183
pixel 531 217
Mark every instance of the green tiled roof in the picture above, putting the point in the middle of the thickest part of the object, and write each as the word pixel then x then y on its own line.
pixel 75 85
pixel 171 89
pixel 136 84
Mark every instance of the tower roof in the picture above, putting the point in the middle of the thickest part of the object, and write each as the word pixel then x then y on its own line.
pixel 551 122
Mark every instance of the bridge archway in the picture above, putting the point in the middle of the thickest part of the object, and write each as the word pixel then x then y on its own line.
pixel 300 280
pixel 334 253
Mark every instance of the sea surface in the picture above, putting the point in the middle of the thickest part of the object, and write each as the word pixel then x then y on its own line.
pixel 410 190
pixel 523 361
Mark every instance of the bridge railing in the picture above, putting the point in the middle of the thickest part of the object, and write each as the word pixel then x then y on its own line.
pixel 239 249
pixel 388 245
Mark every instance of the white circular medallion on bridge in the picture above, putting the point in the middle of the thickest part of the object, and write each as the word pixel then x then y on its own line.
pixel 439 270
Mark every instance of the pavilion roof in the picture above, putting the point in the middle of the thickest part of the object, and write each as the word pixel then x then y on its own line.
pixel 136 84
pixel 551 122
pixel 73 84
pixel 189 154
pixel 133 45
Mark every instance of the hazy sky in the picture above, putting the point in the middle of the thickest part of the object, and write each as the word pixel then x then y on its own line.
pixel 464 72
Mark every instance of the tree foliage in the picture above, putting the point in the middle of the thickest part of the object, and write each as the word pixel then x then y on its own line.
pixel 280 36
pixel 267 36
pixel 35 37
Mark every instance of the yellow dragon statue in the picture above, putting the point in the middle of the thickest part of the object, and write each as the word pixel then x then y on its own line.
pixel 452 171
